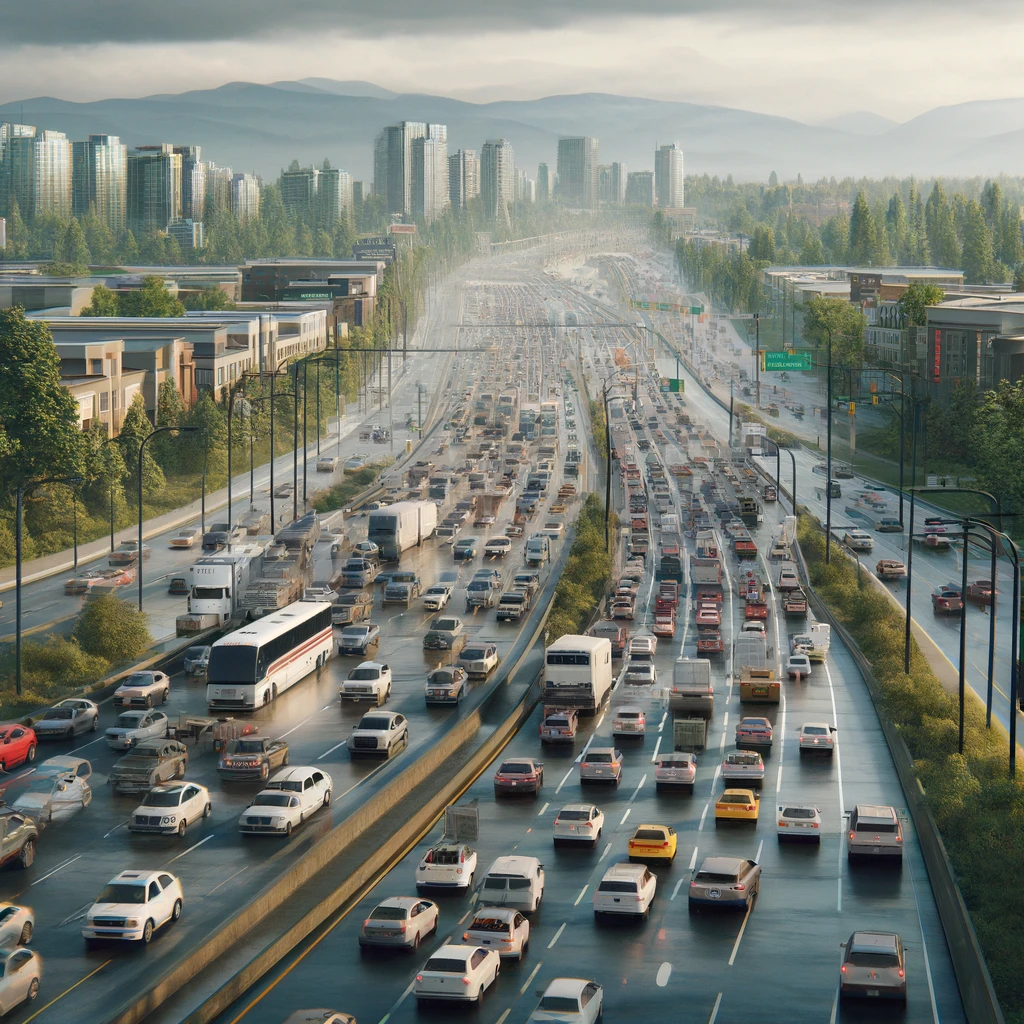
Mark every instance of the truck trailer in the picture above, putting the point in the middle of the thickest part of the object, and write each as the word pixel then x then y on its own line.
pixel 399 527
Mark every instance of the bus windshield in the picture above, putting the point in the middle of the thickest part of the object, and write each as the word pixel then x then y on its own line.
pixel 232 664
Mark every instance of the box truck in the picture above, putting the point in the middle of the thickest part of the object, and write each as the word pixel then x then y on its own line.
pixel 401 526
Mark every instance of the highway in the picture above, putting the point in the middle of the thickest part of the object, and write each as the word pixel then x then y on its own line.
pixel 220 869
pixel 778 963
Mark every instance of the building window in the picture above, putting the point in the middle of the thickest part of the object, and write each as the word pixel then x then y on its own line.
pixel 115 399
pixel 104 401
pixel 220 375
pixel 96 367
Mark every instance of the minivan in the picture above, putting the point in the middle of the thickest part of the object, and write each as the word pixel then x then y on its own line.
pixel 625 889
pixel 874 832
pixel 514 882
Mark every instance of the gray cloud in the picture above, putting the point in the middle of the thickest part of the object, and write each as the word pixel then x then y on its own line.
pixel 80 23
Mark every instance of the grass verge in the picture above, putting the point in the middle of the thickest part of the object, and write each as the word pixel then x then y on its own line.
pixel 353 484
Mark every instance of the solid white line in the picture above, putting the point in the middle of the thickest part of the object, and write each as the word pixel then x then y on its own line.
pixel 664 973
pixel 59 867
pixel 75 750
pixel 704 814
pixel 661 724
pixel 561 928
pixel 116 827
pixel 693 859
pixel 583 893
pixel 654 756
pixel 839 781
pixel 81 912
pixel 714 1012
pixel 504 1016
pixel 563 782
pixel 743 928
pixel 191 848
pixel 782 730
pixel 778 780
pixel 299 726
pixel 718 771
pixel 675 891
pixel 835 1008
pixel 757 856
pixel 542 810
pixel 332 750
pixel 625 816
pixel 533 974
pixel 401 999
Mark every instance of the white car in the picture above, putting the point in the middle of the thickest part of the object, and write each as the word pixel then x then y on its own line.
pixel 133 906
pixel 798 666
pixel 186 538
pixel 135 726
pixel 57 788
pixel 378 734
pixel 553 530
pixel 675 771
pixel 497 547
pixel 288 799
pixel 168 810
pixel 817 738
pixel 500 928
pixel 858 540
pixel 799 821
pixel 143 690
pixel 479 661
pixel 399 921
pixel 578 823
pixel 437 596
pixel 457 974
pixel 640 673
pixel 743 768
pixel 20 971
pixel 625 889
pixel 68 718
pixel 643 647
pixel 16 925
pixel 369 681
pixel 447 866
pixel 570 1001
pixel 628 720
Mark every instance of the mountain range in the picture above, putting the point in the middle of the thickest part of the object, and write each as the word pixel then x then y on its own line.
pixel 262 128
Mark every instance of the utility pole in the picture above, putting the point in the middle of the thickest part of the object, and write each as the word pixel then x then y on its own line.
pixel 757 358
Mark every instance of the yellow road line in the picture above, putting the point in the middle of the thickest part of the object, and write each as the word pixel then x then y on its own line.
pixel 67 990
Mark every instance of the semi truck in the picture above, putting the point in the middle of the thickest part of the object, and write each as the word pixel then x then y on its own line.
pixel 216 585
pixel 399 527
pixel 287 568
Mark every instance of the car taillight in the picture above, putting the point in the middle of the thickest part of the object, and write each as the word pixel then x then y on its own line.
pixel 366 923
pixel 740 887
pixel 902 974
pixel 429 859
pixel 419 977
pixel 465 981
pixel 814 824
pixel 665 843
pixel 465 936
pixel 852 835
pixel 783 824
pixel 750 807
pixel 403 927
pixel 843 968
pixel 462 856
pixel 899 839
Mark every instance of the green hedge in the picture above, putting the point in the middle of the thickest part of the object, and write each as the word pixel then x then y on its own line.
pixel 353 484
pixel 978 809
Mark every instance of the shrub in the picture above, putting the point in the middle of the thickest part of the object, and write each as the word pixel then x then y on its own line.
pixel 111 628
pixel 49 670
pixel 353 484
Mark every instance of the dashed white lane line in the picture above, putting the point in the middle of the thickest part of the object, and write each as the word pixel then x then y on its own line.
pixel 194 846
pixel 299 726
pixel 654 756
pixel 675 891
pixel 557 935
pixel 583 892
pixel 757 856
pixel 778 780
pixel 120 824
pixel 565 779
pixel 704 814
pixel 529 980
pixel 401 999
pixel 664 973
pixel 661 724
pixel 837 755
pixel 540 813
pixel 504 1016
pixel 924 944
pixel 605 852
pixel 739 938
pixel 639 786
pixel 693 859
pixel 332 750
pixel 81 912
pixel 625 816
pixel 59 867
pixel 714 1011
pixel 835 1008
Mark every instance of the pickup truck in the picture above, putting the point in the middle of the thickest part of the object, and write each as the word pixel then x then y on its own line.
pixel 481 594
pixel 513 605
pixel 404 588
pixel 148 765
pixel 359 639
pixel 252 758
pixel 794 602
pixel 359 572
pixel 444 634
pixel 351 606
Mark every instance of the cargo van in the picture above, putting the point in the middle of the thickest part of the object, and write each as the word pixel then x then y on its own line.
pixel 691 687
pixel 514 882
pixel 538 549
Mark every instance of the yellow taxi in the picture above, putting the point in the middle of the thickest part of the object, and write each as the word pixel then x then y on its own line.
pixel 737 805
pixel 653 842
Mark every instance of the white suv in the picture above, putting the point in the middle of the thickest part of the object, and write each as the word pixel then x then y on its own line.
pixel 625 889
pixel 133 905
pixel 288 799
pixel 370 681
pixel 378 734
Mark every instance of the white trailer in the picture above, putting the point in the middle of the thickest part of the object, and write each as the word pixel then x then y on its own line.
pixel 577 672
pixel 216 585
pixel 401 526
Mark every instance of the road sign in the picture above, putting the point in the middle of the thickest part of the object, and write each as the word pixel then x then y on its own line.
pixel 785 361
pixel 696 309
pixel 672 385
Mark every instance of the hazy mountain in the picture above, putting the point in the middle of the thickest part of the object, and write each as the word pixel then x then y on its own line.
pixel 263 127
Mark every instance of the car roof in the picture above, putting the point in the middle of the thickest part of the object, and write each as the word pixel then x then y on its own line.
pixel 816 725
pixel 677 755
pixel 401 901
pixel 632 708
pixel 513 865
pixel 603 750
pixel 578 807
pixel 875 811
pixel 666 828
pixel 723 865
pixel 299 771
pixel 737 792
pixel 571 987
pixel 451 948
pixel 873 942
pixel 371 664
pixel 133 877
pixel 624 870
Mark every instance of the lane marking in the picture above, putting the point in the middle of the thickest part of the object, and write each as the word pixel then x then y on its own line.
pixel 607 850
pixel 586 746
pixel 332 750
pixel 714 1012
pixel 661 724
pixel 75 750
pixel 778 780
pixel 693 859
pixel 739 938
pixel 226 880
pixel 561 928
pixel 643 779
pixel 835 1008
pixel 59 867
pixel 540 813
pixel 625 816
pixel 664 973
pixel 654 756
pixel 565 779
pixel 839 781
pixel 924 944
pixel 757 856
pixel 704 814
pixel 299 726
pixel 401 999
pixel 81 912
pixel 583 893
pixel 120 824
pixel 675 891
pixel 195 846
pixel 532 975
pixel 69 989
pixel 504 1016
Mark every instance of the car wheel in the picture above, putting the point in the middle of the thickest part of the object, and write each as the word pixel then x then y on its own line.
pixel 166 697
pixel 285 759
pixel 288 829
pixel 95 723
pixel 26 934
pixel 416 941
pixel 27 854
pixel 273 691
pixel 327 799
pixel 207 811
pixel 70 734
pixel 33 990
pixel 479 995
pixel 176 910
pixel 149 701
pixel 181 827
pixel 147 933
pixel 31 756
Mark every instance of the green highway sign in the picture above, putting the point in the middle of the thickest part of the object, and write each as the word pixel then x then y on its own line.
pixel 672 385
pixel 785 361
pixel 696 310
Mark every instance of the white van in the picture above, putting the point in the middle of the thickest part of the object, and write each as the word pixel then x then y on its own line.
pixel 514 882
pixel 625 889
pixel 538 549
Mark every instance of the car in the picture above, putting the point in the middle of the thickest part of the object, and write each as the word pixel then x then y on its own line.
pixel 143 690
pixel 465 549
pixel 359 572
pixel 16 925
pixel 326 464
pixel 753 626
pixel 445 633
pixel 628 720
pixel 479 660
pixel 875 832
pixel 437 596
pixel 578 823
pixel 516 882
pixel 497 547
pixel 817 738
pixel 287 800
pixel 378 734
pixel 642 648
pixel 708 615
pixel 457 974
pixel 404 588
pixel 403 921
pixel 947 599
pixel 178 586
pixel 358 638
pixel 133 905
pixel 127 553
pixel 528 581
pixel 446 685
pixel 746 766
pixel 102 579
pixel 369 681
pixel 858 540
pixel 519 775
pixel 640 673
pixel 167 810
pixel 799 822
pixel 754 732
pixel 626 889
pixel 622 608
pixel 319 1016
pixel 185 538
pixel 788 580
pixel 20 972
pixel 68 718
pixel 675 771
pixel 196 660
pixel 553 530
pixel 133 727
pixel 485 520
pixel 252 757
pixel 726 882
pixel 664 624
pixel 504 929
pixel 653 842
pixel 55 789
pixel 798 666
pixel 874 966
pixel 601 764
pixel 447 865
pixel 559 725
pixel 737 805
pixel 17 746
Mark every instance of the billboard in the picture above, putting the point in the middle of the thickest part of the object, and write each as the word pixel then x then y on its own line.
pixel 381 248
pixel 402 229
pixel 865 290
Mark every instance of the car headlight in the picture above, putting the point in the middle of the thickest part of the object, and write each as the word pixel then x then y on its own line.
pixel 278 821
pixel 169 819
pixel 131 923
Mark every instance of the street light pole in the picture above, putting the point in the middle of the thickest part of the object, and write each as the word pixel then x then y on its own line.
pixel 910 541
pixel 295 447
pixel 828 472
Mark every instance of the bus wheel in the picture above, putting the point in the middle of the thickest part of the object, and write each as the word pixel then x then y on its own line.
pixel 274 691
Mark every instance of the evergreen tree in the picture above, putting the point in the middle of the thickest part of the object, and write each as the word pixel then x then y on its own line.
pixel 170 412
pixel 863 243
pixel 979 262
pixel 323 248
pixel 104 303
pixel 897 229
pixel 773 180
pixel 71 248
pixel 812 254
pixel 1010 247
pixel 134 430
pixel 100 239
pixel 942 238
pixel 152 299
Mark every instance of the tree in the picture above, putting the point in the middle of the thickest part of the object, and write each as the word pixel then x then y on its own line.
pixel 134 430
pixel 826 317
pixel 1018 278
pixel 812 254
pixel 152 299
pixel 978 259
pixel 762 245
pixel 111 628
pixel 941 229
pixel 897 229
pixel 208 298
pixel 71 248
pixel 863 242
pixel 773 180
pixel 104 303
pixel 914 301
pixel 170 412
pixel 38 416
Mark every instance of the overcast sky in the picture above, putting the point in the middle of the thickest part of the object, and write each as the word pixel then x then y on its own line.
pixel 805 60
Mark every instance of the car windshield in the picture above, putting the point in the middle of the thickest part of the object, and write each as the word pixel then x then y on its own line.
pixel 560 1004
pixel 858 959
pixel 59 713
pixel 673 762
pixel 489 924
pixel 733 798
pixel 744 759
pixel 650 833
pixel 120 892
pixel 442 677
pixel 129 721
pixel 138 679
pixel 515 768
pixel 379 724
pixel 474 653
pixel 162 799
pixel 389 914
pixel 274 800
pixel 364 673
pixel 876 826
pixel 798 812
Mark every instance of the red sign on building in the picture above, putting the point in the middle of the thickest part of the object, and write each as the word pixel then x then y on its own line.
pixel 937 368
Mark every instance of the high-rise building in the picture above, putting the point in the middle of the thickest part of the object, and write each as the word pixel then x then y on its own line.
pixel 245 197
pixel 668 175
pixel 187 232
pixel 37 174
pixel 154 188
pixel 618 184
pixel 193 182
pixel 334 195
pixel 543 183
pixel 430 173
pixel 360 190
pixel 299 192
pixel 640 188
pixel 99 179
pixel 218 188
pixel 497 178
pixel 577 172
pixel 397 164
pixel 380 164
pixel 463 178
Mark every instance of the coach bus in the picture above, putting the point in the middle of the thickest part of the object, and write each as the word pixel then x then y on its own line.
pixel 254 664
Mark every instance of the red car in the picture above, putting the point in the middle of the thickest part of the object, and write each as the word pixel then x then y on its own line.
pixel 947 600
pixel 664 625
pixel 17 746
